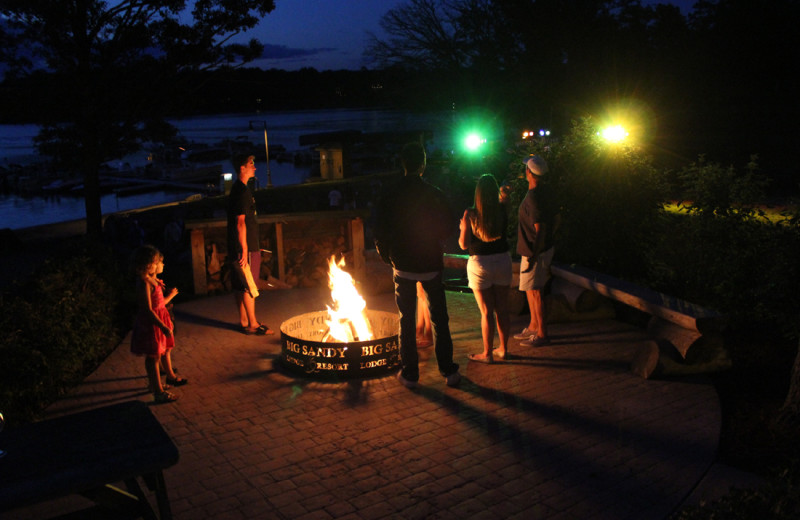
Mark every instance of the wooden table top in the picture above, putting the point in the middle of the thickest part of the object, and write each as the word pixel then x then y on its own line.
pixel 83 451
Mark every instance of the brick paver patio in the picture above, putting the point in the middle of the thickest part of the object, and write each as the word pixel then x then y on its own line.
pixel 559 432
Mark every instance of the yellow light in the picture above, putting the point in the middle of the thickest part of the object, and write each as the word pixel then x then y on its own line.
pixel 614 134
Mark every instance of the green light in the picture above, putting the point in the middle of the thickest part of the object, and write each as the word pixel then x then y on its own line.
pixel 473 142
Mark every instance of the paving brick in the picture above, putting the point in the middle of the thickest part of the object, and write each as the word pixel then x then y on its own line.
pixel 564 431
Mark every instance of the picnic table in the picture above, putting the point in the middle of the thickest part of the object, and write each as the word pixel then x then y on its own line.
pixel 86 453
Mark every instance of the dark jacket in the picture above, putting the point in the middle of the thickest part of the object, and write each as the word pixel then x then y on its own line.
pixel 414 218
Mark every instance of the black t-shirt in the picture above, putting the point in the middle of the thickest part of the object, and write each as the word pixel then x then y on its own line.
pixel 499 245
pixel 241 202
pixel 538 206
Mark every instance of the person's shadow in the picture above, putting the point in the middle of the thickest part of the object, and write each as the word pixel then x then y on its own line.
pixel 196 319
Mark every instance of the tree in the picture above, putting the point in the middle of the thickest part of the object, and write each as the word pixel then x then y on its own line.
pixel 567 56
pixel 121 66
pixel 423 34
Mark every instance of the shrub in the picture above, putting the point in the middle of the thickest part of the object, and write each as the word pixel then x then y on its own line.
pixel 610 197
pixel 723 251
pixel 776 500
pixel 56 327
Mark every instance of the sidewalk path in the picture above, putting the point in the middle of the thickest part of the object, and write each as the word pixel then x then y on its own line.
pixel 559 432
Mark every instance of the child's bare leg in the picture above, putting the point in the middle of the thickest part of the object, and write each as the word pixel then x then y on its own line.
pixel 166 362
pixel 153 376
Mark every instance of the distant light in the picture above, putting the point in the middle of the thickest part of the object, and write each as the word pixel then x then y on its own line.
pixel 614 134
pixel 473 141
pixel 227 176
pixel 544 132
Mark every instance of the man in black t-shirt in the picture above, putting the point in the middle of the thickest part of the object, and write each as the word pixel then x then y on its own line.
pixel 244 253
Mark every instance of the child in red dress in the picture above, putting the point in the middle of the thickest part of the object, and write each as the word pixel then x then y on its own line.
pixel 152 331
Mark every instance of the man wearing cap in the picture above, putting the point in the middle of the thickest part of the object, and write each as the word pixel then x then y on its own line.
pixel 535 246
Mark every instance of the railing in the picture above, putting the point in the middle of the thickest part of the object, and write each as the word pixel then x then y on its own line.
pixel 281 224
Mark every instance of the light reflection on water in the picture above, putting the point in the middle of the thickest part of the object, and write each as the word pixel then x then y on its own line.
pixel 283 128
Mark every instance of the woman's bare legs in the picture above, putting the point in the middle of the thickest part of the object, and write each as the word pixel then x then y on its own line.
pixel 486 304
pixel 503 317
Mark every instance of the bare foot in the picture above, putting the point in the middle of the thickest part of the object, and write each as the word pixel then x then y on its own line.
pixel 423 341
pixel 481 358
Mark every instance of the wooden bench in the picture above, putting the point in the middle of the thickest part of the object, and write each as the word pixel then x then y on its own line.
pixel 84 454
pixel 686 338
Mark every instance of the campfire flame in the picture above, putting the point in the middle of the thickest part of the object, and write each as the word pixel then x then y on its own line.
pixel 347 319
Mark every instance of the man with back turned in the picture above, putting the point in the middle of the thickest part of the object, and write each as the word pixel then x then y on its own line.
pixel 413 221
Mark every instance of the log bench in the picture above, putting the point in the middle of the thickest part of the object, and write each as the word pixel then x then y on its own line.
pixel 85 454
pixel 685 338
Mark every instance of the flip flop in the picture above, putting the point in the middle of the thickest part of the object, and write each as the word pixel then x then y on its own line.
pixel 177 381
pixel 481 359
pixel 263 330
pixel 496 353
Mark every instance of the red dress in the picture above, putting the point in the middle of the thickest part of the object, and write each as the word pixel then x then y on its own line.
pixel 147 338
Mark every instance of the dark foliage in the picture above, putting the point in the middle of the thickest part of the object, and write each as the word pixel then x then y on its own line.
pixel 56 326
pixel 776 500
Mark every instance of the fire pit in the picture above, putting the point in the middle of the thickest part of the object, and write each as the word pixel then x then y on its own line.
pixel 346 341
pixel 306 350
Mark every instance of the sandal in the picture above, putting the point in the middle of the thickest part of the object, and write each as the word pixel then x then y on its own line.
pixel 480 358
pixel 177 381
pixel 164 397
pixel 261 330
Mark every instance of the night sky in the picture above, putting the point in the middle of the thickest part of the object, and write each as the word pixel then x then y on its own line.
pixel 330 34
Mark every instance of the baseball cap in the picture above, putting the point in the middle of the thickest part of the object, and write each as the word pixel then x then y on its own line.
pixel 536 164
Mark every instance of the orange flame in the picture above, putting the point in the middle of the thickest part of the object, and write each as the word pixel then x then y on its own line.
pixel 347 320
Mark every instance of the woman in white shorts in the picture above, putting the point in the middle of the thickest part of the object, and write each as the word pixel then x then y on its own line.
pixel 483 234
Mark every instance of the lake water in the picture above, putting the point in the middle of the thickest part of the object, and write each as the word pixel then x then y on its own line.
pixel 283 128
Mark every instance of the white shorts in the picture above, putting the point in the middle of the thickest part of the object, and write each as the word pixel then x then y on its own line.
pixel 484 271
pixel 535 277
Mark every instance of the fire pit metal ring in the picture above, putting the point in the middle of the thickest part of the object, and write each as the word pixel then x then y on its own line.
pixel 303 351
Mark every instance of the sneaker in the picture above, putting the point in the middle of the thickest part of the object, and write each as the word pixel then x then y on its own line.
pixel 535 341
pixel 525 334
pixel 405 382
pixel 453 379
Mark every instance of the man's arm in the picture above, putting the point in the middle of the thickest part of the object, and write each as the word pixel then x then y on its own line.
pixel 241 231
